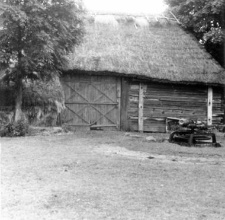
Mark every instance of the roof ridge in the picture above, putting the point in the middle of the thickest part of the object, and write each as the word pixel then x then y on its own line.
pixel 148 17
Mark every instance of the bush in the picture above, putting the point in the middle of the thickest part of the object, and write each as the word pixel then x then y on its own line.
pixel 14 129
pixel 5 117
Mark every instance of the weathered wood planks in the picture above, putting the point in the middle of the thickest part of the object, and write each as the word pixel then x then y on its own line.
pixel 92 101
pixel 135 105
pixel 161 100
pixel 142 91
pixel 209 106
pixel 125 88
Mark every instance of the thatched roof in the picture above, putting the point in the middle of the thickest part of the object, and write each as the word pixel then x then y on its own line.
pixel 163 51
pixel 43 93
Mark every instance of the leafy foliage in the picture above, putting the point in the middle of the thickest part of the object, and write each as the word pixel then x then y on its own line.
pixel 206 19
pixel 14 129
pixel 40 99
pixel 4 119
pixel 37 36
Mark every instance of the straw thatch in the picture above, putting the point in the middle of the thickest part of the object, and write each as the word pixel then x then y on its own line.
pixel 42 101
pixel 39 93
pixel 1 20
pixel 163 51
pixel 36 92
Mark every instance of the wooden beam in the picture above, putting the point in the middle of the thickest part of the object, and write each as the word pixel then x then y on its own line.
pixel 99 126
pixel 92 103
pixel 125 87
pixel 141 108
pixel 209 106
pixel 118 91
pixel 223 26
pixel 148 118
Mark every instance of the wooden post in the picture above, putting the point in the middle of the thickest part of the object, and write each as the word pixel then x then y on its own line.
pixel 209 106
pixel 118 101
pixel 141 108
pixel 223 54
pixel 223 102
pixel 125 87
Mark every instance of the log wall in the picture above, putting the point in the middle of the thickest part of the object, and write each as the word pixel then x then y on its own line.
pixel 162 100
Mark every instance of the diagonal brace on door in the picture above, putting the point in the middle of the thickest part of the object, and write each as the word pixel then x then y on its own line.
pixel 104 115
pixel 77 94
pixel 77 113
pixel 102 93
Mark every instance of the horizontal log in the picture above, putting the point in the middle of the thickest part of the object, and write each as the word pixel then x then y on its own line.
pixel 107 125
pixel 217 110
pixel 172 108
pixel 85 125
pixel 168 114
pixel 175 86
pixel 175 99
pixel 172 93
pixel 177 115
pixel 178 98
pixel 182 100
pixel 148 118
pixel 175 103
pixel 174 111
pixel 90 103
pixel 171 114
pixel 183 104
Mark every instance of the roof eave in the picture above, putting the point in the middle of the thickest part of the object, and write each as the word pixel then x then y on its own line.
pixel 141 77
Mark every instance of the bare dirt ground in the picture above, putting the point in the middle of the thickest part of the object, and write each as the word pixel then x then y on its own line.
pixel 110 175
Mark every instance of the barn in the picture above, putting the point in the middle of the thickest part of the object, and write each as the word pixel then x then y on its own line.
pixel 138 78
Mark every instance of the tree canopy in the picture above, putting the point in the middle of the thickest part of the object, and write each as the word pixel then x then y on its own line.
pixel 37 36
pixel 206 20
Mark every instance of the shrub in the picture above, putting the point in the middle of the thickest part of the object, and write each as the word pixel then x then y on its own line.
pixel 4 118
pixel 14 129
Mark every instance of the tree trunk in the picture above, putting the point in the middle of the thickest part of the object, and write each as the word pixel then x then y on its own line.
pixel 223 27
pixel 224 85
pixel 18 104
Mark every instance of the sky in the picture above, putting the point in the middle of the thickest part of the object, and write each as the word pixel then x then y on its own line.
pixel 126 6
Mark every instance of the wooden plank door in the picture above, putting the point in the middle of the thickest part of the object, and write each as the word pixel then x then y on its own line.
pixel 92 101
